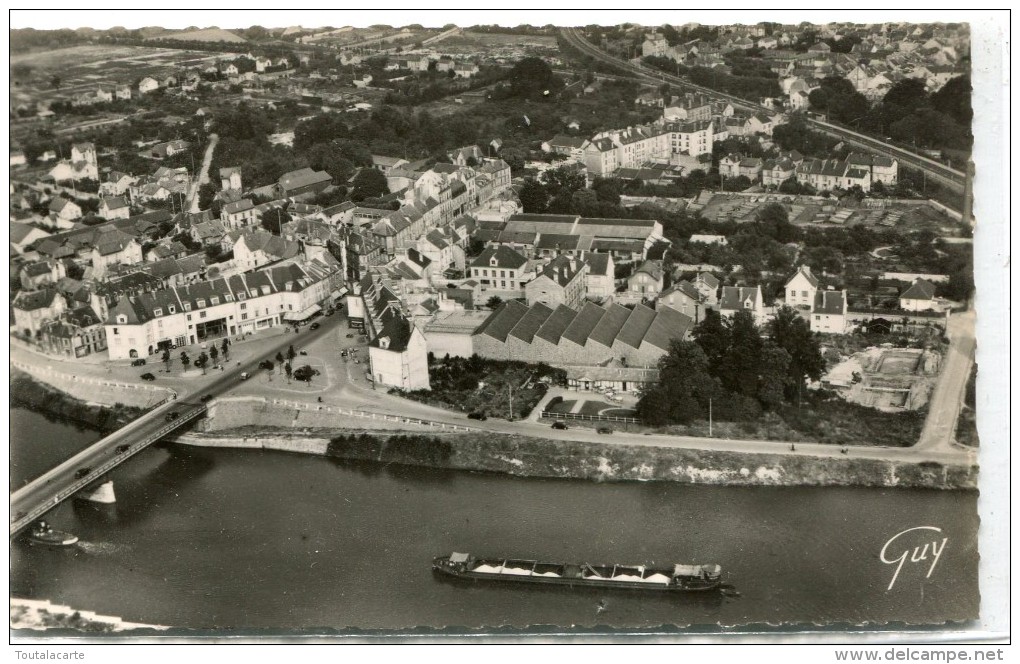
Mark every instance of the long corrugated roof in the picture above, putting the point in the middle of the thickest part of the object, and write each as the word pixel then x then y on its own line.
pixel 531 322
pixel 669 324
pixel 633 331
pixel 610 325
pixel 503 320
pixel 586 320
pixel 556 324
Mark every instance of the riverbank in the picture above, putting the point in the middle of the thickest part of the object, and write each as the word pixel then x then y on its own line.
pixel 539 457
pixel 35 395
pixel 41 615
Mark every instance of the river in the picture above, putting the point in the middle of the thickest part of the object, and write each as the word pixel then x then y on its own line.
pixel 249 540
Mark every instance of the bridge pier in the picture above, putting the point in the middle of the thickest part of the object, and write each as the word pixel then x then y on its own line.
pixel 102 493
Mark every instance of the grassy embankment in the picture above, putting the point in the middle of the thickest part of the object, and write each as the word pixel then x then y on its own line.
pixel 51 402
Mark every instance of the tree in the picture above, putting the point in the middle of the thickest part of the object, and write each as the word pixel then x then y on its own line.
pixel 531 78
pixel 214 352
pixel 291 354
pixel 789 331
pixel 202 361
pixel 167 359
pixel 494 302
pixel 185 360
pixel 368 183
pixel 225 347
pixel 954 99
pixel 289 370
pixel 740 366
pixel 305 373
pixel 713 336
pixel 684 387
pixel 279 360
pixel 534 197
pixel 273 220
pixel 774 376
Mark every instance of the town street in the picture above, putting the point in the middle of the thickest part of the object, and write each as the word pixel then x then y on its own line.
pixel 203 177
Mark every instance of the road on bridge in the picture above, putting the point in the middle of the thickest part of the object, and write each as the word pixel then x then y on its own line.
pixel 48 490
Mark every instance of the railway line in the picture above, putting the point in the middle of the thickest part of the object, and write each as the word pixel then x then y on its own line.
pixel 932 169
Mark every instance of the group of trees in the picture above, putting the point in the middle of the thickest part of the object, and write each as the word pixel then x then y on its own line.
pixel 907 113
pixel 730 367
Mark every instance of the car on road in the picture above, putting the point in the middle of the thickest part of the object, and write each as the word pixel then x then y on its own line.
pixel 303 352
pixel 477 416
pixel 138 363
pixel 205 398
pixel 245 375
pixel 604 430
pixel 559 425
pixel 350 335
pixel 313 326
pixel 343 353
pixel 147 376
pixel 170 417
pixel 266 364
pixel 82 472
pixel 121 449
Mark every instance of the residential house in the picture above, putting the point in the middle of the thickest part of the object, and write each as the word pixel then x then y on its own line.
pixel 742 298
pixel 33 308
pixel 114 247
pixel 147 84
pixel 230 178
pixel 601 275
pixel 238 214
pixel 828 312
pixel 750 168
pixel 303 181
pixel 63 209
pixel 729 166
pixel 499 268
pixel 78 333
pixel 685 297
pixel 646 280
pixel 114 207
pixel 560 282
pixel 801 288
pixel 919 297
pixel 257 248
pixel 117 184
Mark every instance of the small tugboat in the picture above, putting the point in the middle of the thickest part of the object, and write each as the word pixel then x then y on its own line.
pixel 677 578
pixel 43 533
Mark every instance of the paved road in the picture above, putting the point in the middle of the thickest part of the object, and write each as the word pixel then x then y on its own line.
pixel 358 395
pixel 203 177
pixel 944 408
pixel 60 482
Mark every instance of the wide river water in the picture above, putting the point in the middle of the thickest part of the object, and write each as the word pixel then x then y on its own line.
pixel 250 540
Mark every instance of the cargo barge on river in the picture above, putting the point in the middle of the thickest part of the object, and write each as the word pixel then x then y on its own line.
pixel 677 578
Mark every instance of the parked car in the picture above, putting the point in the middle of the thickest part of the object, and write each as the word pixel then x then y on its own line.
pixel 138 363
pixel 604 430
pixel 148 376
pixel 477 416
pixel 303 352
pixel 205 398
pixel 266 364
pixel 313 326
pixel 559 425
pixel 121 449
pixel 82 472
pixel 350 335
pixel 170 417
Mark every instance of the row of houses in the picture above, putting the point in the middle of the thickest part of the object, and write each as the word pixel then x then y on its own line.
pixel 857 169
